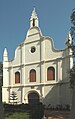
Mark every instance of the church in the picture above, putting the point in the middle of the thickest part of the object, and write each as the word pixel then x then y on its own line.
pixel 38 72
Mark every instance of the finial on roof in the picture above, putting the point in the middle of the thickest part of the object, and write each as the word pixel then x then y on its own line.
pixel 33 19
pixel 69 39
pixel 5 55
pixel 34 9
pixel 5 52
pixel 34 12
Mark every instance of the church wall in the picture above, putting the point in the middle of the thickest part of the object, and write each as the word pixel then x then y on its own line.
pixel 65 94
pixel 67 63
pixel 5 95
pixel 27 70
pixel 56 94
pixel 5 73
pixel 65 69
pixel 23 75
pixel 12 72
pixel 23 54
pixel 60 71
pixel 42 49
pixel 17 58
pixel 43 73
pixel 50 64
pixel 50 52
pixel 11 76
pixel 32 57
pixel 51 95
pixel 57 64
pixel 5 76
pixel 33 35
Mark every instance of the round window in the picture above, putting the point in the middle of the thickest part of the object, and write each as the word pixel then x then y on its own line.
pixel 33 49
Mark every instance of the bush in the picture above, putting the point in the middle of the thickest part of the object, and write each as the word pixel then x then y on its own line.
pixel 20 107
pixel 18 115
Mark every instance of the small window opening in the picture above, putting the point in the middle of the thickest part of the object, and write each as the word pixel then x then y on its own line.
pixel 33 22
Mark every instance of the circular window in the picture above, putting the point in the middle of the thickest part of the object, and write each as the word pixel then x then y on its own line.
pixel 33 49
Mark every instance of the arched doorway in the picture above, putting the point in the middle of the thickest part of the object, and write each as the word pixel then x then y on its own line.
pixel 33 98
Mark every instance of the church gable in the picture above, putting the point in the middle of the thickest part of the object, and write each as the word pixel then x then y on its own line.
pixel 32 52
pixel 33 31
pixel 50 51
pixel 33 35
pixel 44 47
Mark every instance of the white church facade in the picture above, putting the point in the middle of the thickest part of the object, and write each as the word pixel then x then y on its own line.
pixel 38 72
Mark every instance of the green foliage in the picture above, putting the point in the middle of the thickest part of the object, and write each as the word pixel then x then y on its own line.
pixel 72 76
pixel 73 24
pixel 73 17
pixel 18 115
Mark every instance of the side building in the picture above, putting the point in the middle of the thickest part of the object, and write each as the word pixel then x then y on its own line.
pixel 38 72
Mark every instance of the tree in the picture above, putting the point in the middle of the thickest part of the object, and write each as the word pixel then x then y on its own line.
pixel 13 97
pixel 73 24
pixel 72 31
pixel 72 76
pixel 72 17
pixel 72 71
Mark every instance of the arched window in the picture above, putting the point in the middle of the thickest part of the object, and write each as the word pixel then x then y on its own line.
pixel 32 75
pixel 17 77
pixel 50 73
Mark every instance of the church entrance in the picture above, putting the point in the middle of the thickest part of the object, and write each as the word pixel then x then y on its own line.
pixel 33 98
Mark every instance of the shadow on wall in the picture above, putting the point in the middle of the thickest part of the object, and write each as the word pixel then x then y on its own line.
pixel 57 94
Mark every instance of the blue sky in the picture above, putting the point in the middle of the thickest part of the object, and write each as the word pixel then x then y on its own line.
pixel 54 19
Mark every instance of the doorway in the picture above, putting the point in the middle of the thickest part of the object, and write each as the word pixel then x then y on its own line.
pixel 33 98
